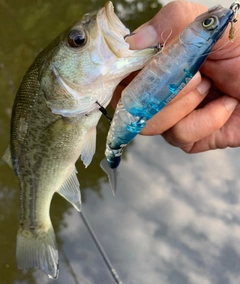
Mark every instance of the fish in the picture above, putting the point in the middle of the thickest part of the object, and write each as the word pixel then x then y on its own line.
pixel 54 119
pixel 161 79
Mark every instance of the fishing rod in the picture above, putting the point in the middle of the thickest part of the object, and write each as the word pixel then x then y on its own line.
pixel 101 250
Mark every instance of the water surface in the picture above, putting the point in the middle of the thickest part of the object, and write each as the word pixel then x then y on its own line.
pixel 208 3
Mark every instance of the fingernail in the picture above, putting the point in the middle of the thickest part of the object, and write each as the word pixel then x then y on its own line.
pixel 145 36
pixel 230 103
pixel 204 86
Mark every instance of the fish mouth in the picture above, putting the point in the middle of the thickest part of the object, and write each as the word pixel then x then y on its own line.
pixel 116 25
pixel 114 33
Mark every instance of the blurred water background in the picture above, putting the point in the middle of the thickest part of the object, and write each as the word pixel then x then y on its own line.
pixel 175 219
pixel 208 3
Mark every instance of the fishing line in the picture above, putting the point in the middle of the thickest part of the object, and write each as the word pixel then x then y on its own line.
pixel 221 47
pixel 211 52
pixel 101 250
pixel 183 43
pixel 231 34
pixel 167 38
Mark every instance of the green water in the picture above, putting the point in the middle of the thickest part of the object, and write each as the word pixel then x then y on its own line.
pixel 26 27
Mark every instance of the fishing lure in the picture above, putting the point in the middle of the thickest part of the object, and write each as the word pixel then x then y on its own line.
pixel 162 79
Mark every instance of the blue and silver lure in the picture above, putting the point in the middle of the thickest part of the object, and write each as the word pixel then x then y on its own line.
pixel 162 79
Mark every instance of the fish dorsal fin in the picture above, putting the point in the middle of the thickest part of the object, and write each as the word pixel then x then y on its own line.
pixel 70 190
pixel 89 146
pixel 7 156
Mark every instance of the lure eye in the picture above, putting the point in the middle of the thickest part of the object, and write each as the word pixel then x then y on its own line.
pixel 209 22
pixel 77 38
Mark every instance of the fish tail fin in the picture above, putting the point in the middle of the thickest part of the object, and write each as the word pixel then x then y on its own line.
pixel 112 175
pixel 37 249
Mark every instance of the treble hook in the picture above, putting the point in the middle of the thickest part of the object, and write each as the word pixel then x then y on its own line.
pixel 104 112
pixel 128 35
pixel 234 7
pixel 158 47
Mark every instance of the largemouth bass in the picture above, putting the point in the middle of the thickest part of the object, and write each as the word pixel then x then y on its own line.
pixel 165 75
pixel 54 120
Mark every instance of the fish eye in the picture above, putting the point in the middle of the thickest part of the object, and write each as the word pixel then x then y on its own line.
pixel 208 22
pixel 77 38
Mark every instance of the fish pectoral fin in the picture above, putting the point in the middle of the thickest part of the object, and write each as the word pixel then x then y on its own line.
pixel 112 175
pixel 37 249
pixel 70 190
pixel 89 146
pixel 7 157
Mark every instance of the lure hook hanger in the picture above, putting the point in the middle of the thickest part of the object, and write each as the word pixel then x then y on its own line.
pixel 234 7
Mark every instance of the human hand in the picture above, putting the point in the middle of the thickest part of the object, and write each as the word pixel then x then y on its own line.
pixel 206 114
